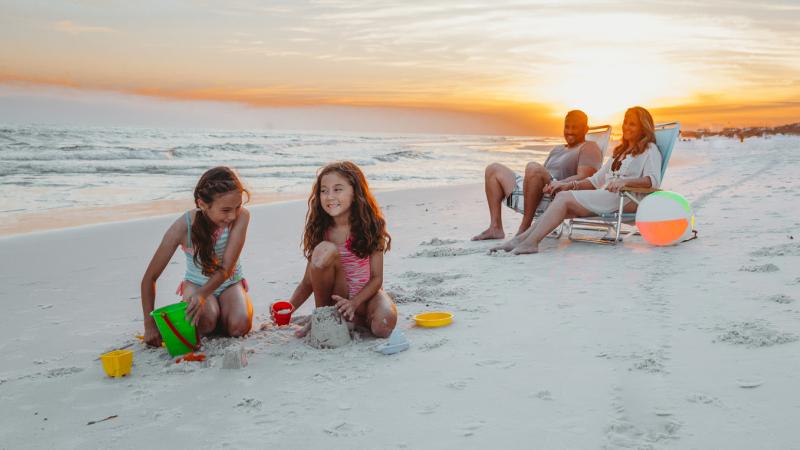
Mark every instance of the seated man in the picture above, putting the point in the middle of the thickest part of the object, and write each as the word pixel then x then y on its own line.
pixel 576 160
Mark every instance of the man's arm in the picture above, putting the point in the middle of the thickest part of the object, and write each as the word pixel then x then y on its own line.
pixel 589 161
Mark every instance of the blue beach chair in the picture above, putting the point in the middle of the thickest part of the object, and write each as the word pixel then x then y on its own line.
pixel 611 224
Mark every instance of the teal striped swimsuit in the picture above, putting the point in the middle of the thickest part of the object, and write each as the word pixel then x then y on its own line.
pixel 194 274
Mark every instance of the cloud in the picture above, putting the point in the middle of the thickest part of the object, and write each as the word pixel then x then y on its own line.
pixel 66 26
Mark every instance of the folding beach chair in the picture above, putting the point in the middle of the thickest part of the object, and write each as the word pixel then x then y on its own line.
pixel 600 135
pixel 611 224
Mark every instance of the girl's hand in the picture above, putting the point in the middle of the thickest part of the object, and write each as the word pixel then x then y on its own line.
pixel 151 335
pixel 196 304
pixel 615 185
pixel 345 306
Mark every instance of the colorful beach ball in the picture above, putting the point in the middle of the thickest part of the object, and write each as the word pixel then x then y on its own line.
pixel 664 218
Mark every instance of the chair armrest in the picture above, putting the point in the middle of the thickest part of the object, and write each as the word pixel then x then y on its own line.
pixel 639 190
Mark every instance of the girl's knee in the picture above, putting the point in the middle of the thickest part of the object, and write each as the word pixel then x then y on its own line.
pixel 383 328
pixel 324 254
pixel 383 323
pixel 238 326
pixel 207 323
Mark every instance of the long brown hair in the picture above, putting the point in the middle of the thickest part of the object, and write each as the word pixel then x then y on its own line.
pixel 367 226
pixel 634 148
pixel 214 182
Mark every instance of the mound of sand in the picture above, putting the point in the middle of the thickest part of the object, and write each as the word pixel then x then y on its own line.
pixel 328 329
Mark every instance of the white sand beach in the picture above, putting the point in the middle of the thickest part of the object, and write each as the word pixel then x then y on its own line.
pixel 578 347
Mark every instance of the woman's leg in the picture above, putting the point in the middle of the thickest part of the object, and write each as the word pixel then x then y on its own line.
pixel 381 314
pixel 564 206
pixel 210 313
pixel 327 275
pixel 236 310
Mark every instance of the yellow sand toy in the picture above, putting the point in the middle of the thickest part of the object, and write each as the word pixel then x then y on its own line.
pixel 117 363
pixel 434 319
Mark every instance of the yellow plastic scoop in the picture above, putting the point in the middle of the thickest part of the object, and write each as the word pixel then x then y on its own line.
pixel 434 319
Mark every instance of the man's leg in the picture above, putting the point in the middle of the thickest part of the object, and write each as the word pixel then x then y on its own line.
pixel 536 178
pixel 499 183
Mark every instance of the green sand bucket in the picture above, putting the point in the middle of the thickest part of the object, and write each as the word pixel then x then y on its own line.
pixel 179 335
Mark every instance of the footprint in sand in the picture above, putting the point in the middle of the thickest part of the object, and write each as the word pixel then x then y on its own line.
pixel 438 242
pixel 249 404
pixel 783 299
pixel 62 372
pixel 440 252
pixel 458 385
pixel 763 268
pixel 496 363
pixel 430 278
pixel 428 346
pixel 344 429
pixel 422 294
pixel 649 365
pixel 749 382
pixel 756 333
pixel 470 429
pixel 542 395
pixel 704 399
pixel 428 408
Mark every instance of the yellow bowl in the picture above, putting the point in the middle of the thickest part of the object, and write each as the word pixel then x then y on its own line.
pixel 117 363
pixel 434 319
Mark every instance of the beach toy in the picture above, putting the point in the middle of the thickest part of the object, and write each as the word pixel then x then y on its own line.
pixel 191 357
pixel 396 343
pixel 434 319
pixel 179 335
pixel 117 363
pixel 664 218
pixel 282 312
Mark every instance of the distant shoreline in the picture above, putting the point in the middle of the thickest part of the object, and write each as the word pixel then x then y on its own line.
pixel 792 129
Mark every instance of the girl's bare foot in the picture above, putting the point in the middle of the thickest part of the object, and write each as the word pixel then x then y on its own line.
pixel 525 247
pixel 305 326
pixel 490 233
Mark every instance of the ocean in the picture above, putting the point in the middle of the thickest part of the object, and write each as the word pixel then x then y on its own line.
pixel 50 167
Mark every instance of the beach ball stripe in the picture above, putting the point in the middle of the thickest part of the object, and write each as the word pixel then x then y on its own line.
pixel 664 218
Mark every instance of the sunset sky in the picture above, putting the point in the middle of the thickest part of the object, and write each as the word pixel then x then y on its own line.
pixel 508 67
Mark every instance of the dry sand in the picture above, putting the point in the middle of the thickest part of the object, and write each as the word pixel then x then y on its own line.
pixel 580 346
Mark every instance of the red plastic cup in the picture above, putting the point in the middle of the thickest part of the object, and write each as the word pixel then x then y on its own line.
pixel 282 313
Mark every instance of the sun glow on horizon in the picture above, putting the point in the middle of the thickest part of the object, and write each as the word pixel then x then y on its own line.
pixel 523 63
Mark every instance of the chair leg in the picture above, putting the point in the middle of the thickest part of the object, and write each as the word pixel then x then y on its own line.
pixel 619 217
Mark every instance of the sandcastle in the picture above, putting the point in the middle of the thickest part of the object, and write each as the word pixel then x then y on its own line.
pixel 328 329
pixel 235 357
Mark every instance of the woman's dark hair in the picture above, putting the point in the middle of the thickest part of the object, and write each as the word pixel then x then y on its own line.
pixel 214 182
pixel 634 148
pixel 367 226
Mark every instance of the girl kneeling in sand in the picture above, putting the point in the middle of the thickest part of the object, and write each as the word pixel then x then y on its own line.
pixel 344 241
pixel 212 237
pixel 636 162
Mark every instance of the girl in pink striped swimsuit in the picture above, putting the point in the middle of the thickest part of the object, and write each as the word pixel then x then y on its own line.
pixel 344 241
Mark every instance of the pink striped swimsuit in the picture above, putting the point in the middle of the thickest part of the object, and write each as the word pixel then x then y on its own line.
pixel 356 270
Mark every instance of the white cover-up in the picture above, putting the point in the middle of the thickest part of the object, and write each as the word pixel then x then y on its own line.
pixel 601 201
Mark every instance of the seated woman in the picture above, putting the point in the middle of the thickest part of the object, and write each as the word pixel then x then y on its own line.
pixel 636 162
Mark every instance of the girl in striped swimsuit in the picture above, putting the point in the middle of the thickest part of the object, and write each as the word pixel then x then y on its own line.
pixel 212 237
pixel 344 241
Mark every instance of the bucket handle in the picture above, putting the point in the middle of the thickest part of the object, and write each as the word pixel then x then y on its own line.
pixel 180 336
